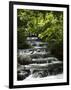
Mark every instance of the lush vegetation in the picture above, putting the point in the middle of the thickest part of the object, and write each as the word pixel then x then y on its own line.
pixel 48 25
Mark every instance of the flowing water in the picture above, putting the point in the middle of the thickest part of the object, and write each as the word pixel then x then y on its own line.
pixel 37 62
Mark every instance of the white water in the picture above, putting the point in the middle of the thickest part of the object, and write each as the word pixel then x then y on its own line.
pixel 59 76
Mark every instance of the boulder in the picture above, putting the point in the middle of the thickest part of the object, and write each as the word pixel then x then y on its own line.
pixel 24 59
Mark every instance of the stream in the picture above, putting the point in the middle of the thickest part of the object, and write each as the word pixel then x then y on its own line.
pixel 40 62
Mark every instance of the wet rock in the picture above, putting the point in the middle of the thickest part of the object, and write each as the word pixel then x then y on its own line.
pixel 21 75
pixel 40 73
pixel 24 59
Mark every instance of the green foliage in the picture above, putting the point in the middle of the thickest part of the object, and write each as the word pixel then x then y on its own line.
pixel 21 35
pixel 48 25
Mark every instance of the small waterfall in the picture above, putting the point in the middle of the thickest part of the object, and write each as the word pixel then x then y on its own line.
pixel 37 60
